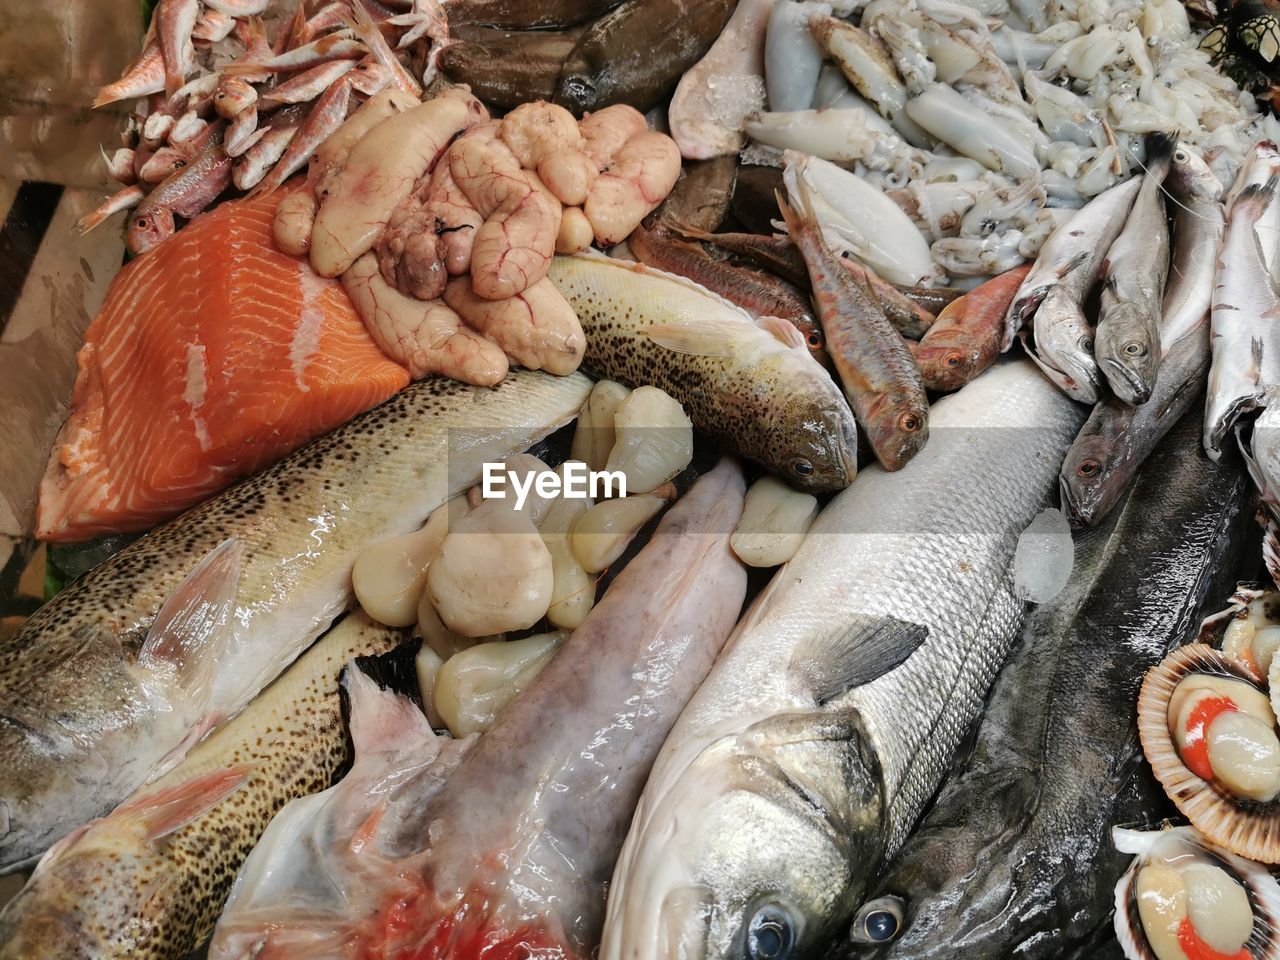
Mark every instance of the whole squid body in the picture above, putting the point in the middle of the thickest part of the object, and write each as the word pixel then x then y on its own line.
pixel 637 53
pixel 108 684
pixel 752 386
pixel 148 881
pixel 1246 301
pixel 1127 343
pixel 515 849
pixel 1054 292
pixel 1118 437
pixel 805 758
pixel 1015 857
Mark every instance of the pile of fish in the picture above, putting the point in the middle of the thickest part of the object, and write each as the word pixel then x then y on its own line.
pixel 212 112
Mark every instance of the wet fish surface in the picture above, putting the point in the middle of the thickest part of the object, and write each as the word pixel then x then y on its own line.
pixel 93 703
pixel 1015 858
pixel 805 758
pixel 528 14
pixel 769 401
pixel 119 891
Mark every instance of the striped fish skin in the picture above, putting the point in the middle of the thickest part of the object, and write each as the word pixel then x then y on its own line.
pixel 808 754
pixel 82 725
pixel 111 892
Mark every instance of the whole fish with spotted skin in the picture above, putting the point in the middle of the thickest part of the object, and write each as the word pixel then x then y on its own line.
pixel 117 890
pixel 804 759
pixel 763 398
pixel 94 702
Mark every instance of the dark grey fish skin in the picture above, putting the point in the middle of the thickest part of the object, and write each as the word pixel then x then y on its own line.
pixel 1117 437
pixel 700 199
pixel 1015 859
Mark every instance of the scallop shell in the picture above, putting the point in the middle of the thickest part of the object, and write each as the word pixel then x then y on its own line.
pixel 1244 827
pixel 1261 888
pixel 1212 627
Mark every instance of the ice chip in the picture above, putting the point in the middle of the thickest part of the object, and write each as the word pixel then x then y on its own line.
pixel 1043 560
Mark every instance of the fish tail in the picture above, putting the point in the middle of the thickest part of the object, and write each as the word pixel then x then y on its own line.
pixel 1255 198
pixel 795 220
pixel 1160 147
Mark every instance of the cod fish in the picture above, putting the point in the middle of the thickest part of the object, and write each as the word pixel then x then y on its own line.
pixel 806 757
pixel 109 683
pixel 148 881
pixel 511 856
pixel 1015 857
pixel 764 398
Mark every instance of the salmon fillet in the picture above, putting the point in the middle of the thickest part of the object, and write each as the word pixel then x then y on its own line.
pixel 213 356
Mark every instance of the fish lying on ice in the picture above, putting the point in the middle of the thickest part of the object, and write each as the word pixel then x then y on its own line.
pixel 95 699
pixel 149 880
pixel 512 855
pixel 763 398
pixel 805 758
pixel 1014 858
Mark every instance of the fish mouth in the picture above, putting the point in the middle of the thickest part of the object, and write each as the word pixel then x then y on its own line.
pixel 1137 390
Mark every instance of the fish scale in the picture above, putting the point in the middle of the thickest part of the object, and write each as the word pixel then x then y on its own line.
pixel 805 758
pixel 78 728
pixel 109 894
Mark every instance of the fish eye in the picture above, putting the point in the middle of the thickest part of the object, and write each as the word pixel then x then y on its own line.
pixel 1086 344
pixel 802 467
pixel 910 422
pixel 879 921
pixel 141 223
pixel 953 359
pixel 1180 156
pixel 1134 349
pixel 815 338
pixel 1088 468
pixel 770 935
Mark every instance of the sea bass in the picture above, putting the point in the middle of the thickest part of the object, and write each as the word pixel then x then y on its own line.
pixel 1015 859
pixel 148 881
pixel 96 697
pixel 766 399
pixel 511 857
pixel 807 755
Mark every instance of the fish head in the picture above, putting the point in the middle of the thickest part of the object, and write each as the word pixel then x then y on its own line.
pixel 897 424
pixel 1089 482
pixel 1191 177
pixel 946 366
pixel 972 884
pixel 756 850
pixel 1127 350
pixel 148 227
pixel 818 442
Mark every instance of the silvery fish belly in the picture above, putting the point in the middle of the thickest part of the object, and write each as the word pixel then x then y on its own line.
pixel 108 684
pixel 806 757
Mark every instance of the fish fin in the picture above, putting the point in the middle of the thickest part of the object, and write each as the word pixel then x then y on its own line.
pixel 164 811
pixel 784 331
pixel 192 631
pixel 1071 265
pixel 380 719
pixel 866 649
pixel 696 338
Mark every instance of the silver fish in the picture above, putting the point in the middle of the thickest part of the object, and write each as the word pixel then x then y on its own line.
pixel 1246 303
pixel 1127 343
pixel 1086 236
pixel 805 758
pixel 108 684
pixel 1198 226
